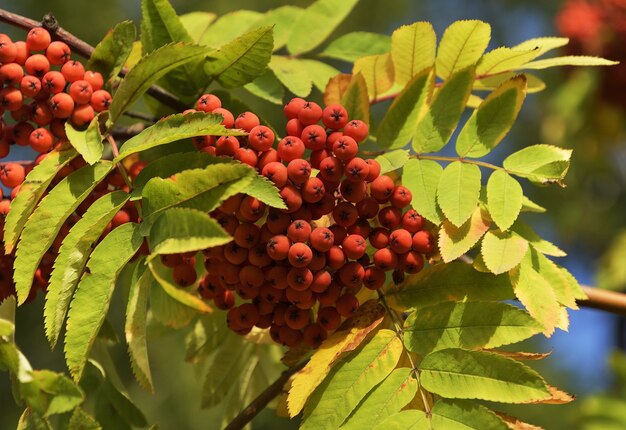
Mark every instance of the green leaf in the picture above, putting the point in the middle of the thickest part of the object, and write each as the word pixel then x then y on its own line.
pixel 456 241
pixel 6 327
pixel 469 325
pixel 544 44
pixel 179 230
pixel 462 45
pixel 490 83
pixel 502 251
pixel 30 420
pixel 529 206
pixel 73 254
pixel 197 24
pixel 135 327
pixel 50 393
pixel 409 419
pixel 492 120
pixel 292 74
pixel 377 70
pixel 536 294
pixel 173 128
pixel 399 123
pixel 542 164
pixel 436 126
pixel 187 298
pixel 268 87
pixel 226 364
pixel 168 311
pixel 44 224
pixel 169 165
pixel 464 415
pixel 124 407
pixel 355 99
pixel 386 399
pixel 94 292
pixel 160 25
pixel 565 286
pixel 505 59
pixel 150 69
pixel 394 160
pixel 229 26
pixel 352 46
pixel 451 282
pixel 317 22
pixel 569 60
pixel 201 189
pixel 504 199
pixel 242 60
pixel 412 50
pixel 87 142
pixel 535 241
pixel 81 420
pixel 340 393
pixel 284 20
pixel 111 53
pixel 33 187
pixel 421 177
pixel 320 73
pixel 458 191
pixel 460 374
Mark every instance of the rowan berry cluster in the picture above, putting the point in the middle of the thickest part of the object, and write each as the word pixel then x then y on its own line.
pixel 299 270
pixel 41 89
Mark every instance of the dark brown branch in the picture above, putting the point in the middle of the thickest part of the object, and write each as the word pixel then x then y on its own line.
pixel 608 301
pixel 84 49
pixel 125 133
pixel 258 404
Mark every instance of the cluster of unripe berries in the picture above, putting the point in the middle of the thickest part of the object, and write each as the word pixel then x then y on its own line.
pixel 42 88
pixel 298 270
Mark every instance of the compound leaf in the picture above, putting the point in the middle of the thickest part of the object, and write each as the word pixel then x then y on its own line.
pixel 94 292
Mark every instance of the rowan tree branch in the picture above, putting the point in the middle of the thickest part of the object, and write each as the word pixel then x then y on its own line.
pixel 608 301
pixel 83 49
pixel 258 404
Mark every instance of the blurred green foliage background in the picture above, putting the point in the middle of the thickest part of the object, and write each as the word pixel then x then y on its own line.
pixel 583 218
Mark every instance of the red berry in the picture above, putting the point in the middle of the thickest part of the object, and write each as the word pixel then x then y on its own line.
pixel 382 188
pixel 385 259
pixel 345 214
pixel 412 221
pixel 290 148
pixel 299 255
pixel 368 207
pixel 313 190
pixel 335 257
pixel 252 209
pixel 347 305
pixel 299 231
pixel 95 79
pixel 401 197
pixel 329 318
pixel 345 148
pixel 374 171
pixel 228 120
pixel 292 108
pixel 11 99
pixel 292 198
pixel 58 53
pixel 61 105
pixel 294 128
pixel 251 276
pixel 314 137
pixel 356 129
pixel 422 242
pixel 299 171
pixel 184 275
pixel 73 71
pixel 247 156
pixel 81 91
pixel 246 121
pixel 41 140
pixel 314 335
pixel 38 39
pixel 353 191
pixel 30 86
pixel 335 116
pixel 390 217
pixel 299 278
pixel 357 169
pixel 11 74
pixel 100 99
pixel 321 238
pixel 352 274
pixel 276 172
pixel 226 145
pixel 261 138
pixel 8 50
pixel 278 247
pixel 354 246
pixel 247 235
pixel 374 278
pixel 379 238
pixel 400 241
pixel 310 113
pixel 208 103
pixel 331 169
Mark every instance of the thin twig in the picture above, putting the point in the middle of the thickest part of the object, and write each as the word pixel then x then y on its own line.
pixel 84 49
pixel 263 399
pixel 397 322
pixel 608 301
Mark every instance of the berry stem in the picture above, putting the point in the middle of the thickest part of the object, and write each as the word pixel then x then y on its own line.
pixel 84 49
pixel 462 160
pixel 397 322
pixel 119 165
pixel 263 399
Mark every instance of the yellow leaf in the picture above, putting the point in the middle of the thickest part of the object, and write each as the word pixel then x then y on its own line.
pixel 336 88
pixel 305 381
pixel 456 241
pixel 377 70
pixel 515 424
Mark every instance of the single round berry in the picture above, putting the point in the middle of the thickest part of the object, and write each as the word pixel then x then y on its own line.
pixel 345 148
pixel 345 214
pixel 313 190
pixel 299 278
pixel 382 188
pixel 184 275
pixel 292 198
pixel 335 116
pixel 422 242
pixel 228 120
pixel 247 235
pixel 292 107
pixel 357 169
pixel 356 129
pixel 314 137
pixel 226 145
pixel 208 103
pixel 299 255
pixel 385 259
pixel 299 171
pixel 12 175
pixel 379 238
pixel 299 231
pixel 58 53
pixel 321 239
pixel 100 99
pixel 352 274
pixel 278 247
pixel 291 148
pixel 390 217
pixel 276 172
pixel 313 335
pixel 331 169
pixel 401 197
pixel 347 305
pixel 73 71
pixel 38 39
pixel 261 138
pixel 354 246
pixel 329 318
pixel 374 278
pixel 95 79
pixel 310 113
pixel 246 121
pixel 247 156
pixel 81 91
pixel 400 241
